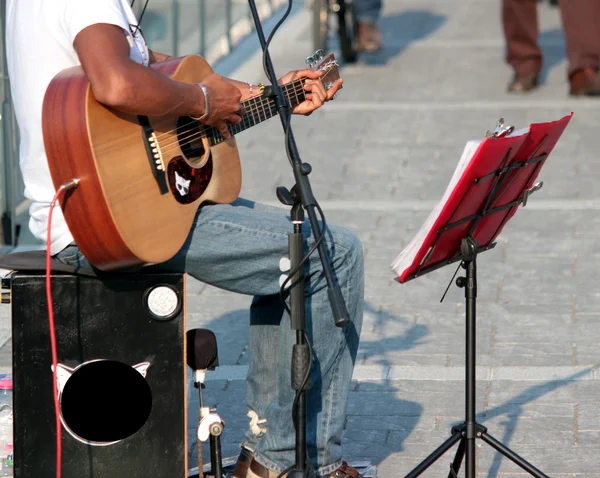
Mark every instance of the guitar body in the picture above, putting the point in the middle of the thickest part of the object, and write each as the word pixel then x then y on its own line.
pixel 140 181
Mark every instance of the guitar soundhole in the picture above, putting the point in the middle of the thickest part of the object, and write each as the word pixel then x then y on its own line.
pixel 188 184
pixel 190 139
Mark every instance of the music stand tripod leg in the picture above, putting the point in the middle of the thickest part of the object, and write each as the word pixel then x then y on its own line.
pixel 431 459
pixel 470 430
pixel 511 455
pixel 460 454
pixel 469 251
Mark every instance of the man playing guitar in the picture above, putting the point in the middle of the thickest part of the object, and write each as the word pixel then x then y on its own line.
pixel 235 246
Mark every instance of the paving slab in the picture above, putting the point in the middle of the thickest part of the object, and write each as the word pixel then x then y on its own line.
pixel 382 155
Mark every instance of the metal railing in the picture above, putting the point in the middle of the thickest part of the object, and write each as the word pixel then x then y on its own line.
pixel 11 183
pixel 208 27
pixel 211 28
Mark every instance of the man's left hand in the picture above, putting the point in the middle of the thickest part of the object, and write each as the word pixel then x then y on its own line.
pixel 315 92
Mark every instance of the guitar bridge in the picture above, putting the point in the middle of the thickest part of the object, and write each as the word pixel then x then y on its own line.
pixel 154 154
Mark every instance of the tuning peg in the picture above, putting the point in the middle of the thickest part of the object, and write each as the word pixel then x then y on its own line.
pixel 320 54
pixel 310 60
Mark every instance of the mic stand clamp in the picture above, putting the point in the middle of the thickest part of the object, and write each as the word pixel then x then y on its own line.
pixel 210 426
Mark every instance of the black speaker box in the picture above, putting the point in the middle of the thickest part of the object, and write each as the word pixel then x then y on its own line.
pixel 121 376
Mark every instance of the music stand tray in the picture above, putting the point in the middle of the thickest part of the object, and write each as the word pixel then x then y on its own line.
pixel 492 180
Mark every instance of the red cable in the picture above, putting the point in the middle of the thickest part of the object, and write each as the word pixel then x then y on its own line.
pixel 51 325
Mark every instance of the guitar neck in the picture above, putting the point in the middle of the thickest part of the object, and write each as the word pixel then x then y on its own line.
pixel 260 108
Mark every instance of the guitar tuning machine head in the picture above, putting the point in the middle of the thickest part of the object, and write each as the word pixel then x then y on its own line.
pixel 311 60
pixel 315 58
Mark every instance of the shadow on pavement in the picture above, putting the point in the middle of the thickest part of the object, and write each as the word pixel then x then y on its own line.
pixel 513 409
pixel 552 43
pixel 231 330
pixel 400 30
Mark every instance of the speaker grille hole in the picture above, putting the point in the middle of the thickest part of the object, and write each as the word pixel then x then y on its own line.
pixel 105 401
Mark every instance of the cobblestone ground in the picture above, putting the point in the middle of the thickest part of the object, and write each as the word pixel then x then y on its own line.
pixel 382 155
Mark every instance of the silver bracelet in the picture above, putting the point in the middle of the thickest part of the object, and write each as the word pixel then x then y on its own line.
pixel 206 104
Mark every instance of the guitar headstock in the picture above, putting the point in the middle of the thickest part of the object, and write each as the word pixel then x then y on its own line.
pixel 327 64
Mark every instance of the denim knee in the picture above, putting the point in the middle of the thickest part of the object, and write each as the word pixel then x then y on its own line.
pixel 348 249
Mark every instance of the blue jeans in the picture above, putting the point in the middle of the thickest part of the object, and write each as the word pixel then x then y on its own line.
pixel 238 247
pixel 367 11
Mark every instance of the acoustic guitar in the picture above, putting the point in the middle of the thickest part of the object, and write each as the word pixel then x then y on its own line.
pixel 142 179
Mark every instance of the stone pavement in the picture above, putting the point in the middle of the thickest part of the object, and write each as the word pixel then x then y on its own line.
pixel 382 155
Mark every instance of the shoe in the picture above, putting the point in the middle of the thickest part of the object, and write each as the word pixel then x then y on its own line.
pixel 523 83
pixel 345 471
pixel 585 82
pixel 369 38
pixel 243 463
pixel 256 470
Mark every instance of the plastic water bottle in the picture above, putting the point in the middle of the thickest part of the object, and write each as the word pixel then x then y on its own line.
pixel 6 426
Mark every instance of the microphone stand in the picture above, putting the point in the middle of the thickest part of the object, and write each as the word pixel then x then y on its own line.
pixel 299 197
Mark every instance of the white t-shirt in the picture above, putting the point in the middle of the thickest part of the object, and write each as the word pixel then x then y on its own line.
pixel 39 44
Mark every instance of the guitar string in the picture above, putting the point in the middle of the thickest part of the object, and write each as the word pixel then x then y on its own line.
pixel 258 111
pixel 263 109
pixel 256 105
pixel 295 86
pixel 248 100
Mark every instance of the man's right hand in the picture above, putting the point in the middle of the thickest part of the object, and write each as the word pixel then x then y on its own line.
pixel 224 104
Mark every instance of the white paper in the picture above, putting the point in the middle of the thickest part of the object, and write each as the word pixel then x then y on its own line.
pixel 407 256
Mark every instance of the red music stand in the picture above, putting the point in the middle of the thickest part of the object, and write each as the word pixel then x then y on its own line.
pixel 485 193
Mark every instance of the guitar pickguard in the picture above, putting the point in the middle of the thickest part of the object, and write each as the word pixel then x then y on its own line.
pixel 186 183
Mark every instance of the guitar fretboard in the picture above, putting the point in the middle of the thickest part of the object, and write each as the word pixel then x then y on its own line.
pixel 258 109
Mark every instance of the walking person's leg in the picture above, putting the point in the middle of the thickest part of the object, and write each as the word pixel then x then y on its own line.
pixel 523 54
pixel 367 15
pixel 581 22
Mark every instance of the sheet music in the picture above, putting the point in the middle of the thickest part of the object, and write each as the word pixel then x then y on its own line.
pixel 407 256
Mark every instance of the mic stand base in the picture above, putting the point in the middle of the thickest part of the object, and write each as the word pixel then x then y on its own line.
pixel 298 474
